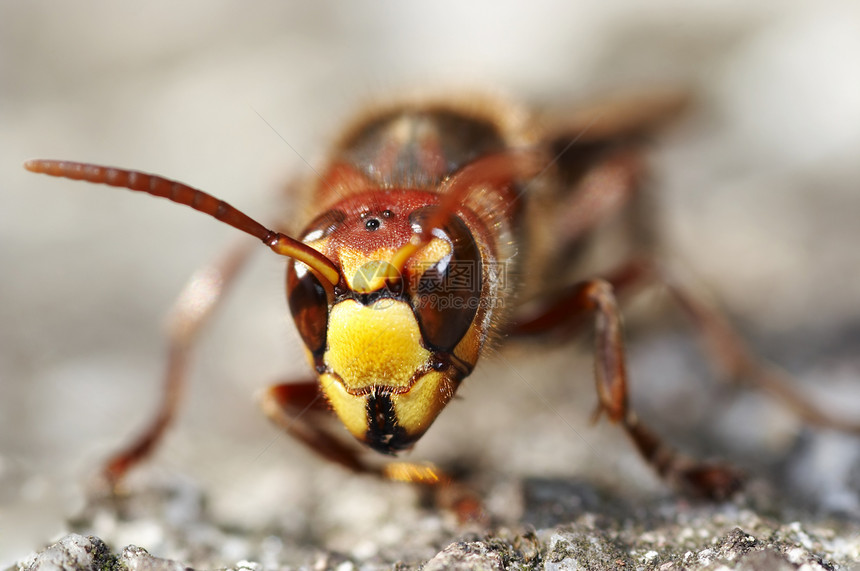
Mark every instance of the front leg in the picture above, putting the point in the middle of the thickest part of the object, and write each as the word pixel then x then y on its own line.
pixel 302 411
pixel 596 297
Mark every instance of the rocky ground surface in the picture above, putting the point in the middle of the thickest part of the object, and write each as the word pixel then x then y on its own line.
pixel 565 526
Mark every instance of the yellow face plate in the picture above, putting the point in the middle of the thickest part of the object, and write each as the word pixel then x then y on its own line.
pixel 377 348
pixel 374 345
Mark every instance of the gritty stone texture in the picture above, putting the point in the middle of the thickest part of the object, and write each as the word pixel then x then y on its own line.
pixel 662 535
pixel 138 559
pixel 479 555
pixel 698 545
pixel 73 552
pixel 78 553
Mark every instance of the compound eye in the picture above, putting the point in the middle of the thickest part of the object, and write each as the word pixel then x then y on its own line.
pixel 309 305
pixel 448 293
pixel 305 294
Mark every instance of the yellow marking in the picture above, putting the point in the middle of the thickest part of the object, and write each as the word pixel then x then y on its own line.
pixel 352 261
pixel 373 276
pixel 355 263
pixel 417 409
pixel 379 344
pixel 349 408
pixel 469 348
pixel 413 473
pixel 418 250
pixel 406 251
pixel 432 252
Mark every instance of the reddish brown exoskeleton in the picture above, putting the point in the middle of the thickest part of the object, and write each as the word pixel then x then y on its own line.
pixel 444 226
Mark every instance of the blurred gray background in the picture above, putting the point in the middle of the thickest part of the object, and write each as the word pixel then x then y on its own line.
pixel 758 191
